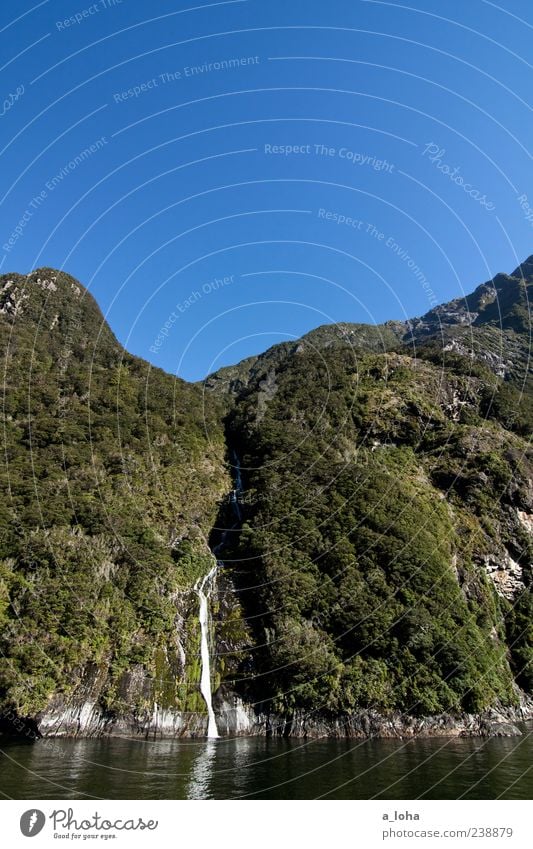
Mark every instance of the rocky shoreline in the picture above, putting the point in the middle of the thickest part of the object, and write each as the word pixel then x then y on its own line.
pixel 235 718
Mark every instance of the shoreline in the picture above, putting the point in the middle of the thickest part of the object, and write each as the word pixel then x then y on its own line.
pixel 235 718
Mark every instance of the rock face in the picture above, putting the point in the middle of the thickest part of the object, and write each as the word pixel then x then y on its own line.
pixel 506 574
pixel 87 719
pixel 510 578
pixel 235 719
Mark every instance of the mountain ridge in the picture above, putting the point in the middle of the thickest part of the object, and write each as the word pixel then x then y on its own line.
pixel 382 559
pixel 482 306
pixel 472 326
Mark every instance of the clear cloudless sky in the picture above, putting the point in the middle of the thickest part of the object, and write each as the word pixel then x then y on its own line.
pixel 237 173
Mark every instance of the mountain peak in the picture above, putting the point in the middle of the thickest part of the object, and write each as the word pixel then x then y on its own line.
pixel 525 269
pixel 501 302
pixel 47 301
pixel 22 294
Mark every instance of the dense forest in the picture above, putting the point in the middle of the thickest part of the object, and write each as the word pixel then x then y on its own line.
pixel 110 486
pixel 382 557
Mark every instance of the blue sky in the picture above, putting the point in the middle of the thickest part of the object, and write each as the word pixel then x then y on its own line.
pixel 224 176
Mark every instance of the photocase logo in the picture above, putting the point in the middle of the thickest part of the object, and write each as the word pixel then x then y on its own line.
pixel 32 822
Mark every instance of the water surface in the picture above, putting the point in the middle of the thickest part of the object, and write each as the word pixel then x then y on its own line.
pixel 260 768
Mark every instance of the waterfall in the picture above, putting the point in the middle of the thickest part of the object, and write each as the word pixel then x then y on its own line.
pixel 238 487
pixel 238 475
pixel 203 588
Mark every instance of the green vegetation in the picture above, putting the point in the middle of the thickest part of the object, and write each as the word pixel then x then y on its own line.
pixel 109 489
pixel 366 593
pixel 384 559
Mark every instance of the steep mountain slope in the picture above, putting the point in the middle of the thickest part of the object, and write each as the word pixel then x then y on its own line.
pixel 386 550
pixel 385 558
pixel 382 557
pixel 491 328
pixel 110 484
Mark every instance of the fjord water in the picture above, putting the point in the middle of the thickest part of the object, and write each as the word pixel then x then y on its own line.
pixel 260 768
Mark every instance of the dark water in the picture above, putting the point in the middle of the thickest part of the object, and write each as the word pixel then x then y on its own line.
pixel 269 769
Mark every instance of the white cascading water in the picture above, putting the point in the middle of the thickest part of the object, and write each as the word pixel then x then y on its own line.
pixel 238 487
pixel 203 588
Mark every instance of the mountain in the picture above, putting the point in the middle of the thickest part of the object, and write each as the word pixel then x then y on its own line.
pixel 491 326
pixel 111 479
pixel 378 544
